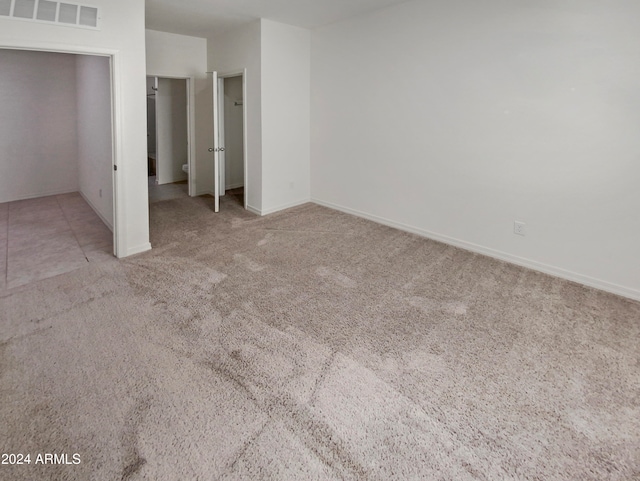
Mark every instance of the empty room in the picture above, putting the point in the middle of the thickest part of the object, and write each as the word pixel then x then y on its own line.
pixel 56 191
pixel 430 270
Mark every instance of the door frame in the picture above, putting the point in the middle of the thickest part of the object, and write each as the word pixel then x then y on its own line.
pixel 191 122
pixel 115 80
pixel 238 73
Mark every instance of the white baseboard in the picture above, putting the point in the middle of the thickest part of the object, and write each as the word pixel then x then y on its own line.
pixel 172 180
pixel 102 218
pixel 520 261
pixel 234 186
pixel 36 195
pixel 273 210
pixel 254 210
pixel 137 250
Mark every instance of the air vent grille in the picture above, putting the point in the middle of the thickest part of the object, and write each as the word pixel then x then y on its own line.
pixel 88 16
pixel 68 13
pixel 5 7
pixel 49 11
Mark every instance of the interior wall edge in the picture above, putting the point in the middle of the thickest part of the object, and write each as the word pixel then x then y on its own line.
pixel 496 254
pixel 93 207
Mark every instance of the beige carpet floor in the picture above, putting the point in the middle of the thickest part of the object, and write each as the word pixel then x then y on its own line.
pixel 312 345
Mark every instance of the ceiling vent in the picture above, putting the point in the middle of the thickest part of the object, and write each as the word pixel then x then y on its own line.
pixel 49 11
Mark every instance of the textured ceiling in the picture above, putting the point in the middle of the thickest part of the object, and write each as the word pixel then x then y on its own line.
pixel 205 18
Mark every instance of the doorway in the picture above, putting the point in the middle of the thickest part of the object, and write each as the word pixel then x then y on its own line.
pixel 170 166
pixel 57 192
pixel 230 139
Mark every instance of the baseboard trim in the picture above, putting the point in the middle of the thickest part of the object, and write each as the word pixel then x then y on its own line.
pixel 102 218
pixel 273 210
pixel 520 261
pixel 172 181
pixel 39 194
pixel 138 249
pixel 254 210
pixel 234 186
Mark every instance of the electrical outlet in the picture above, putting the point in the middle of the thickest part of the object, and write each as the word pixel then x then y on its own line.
pixel 519 228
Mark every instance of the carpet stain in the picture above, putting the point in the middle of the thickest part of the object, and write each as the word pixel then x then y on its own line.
pixel 237 222
pixel 265 240
pixel 216 277
pixel 428 306
pixel 424 361
pixel 245 447
pixel 455 308
pixel 323 374
pixel 425 305
pixel 129 437
pixel 248 263
pixel 133 468
pixel 327 445
pixel 336 277
pixel 4 361
pixel 229 376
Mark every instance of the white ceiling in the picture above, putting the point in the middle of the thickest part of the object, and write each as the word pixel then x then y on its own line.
pixel 205 18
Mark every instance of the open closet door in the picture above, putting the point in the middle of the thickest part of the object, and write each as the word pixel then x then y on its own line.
pixel 222 163
pixel 216 148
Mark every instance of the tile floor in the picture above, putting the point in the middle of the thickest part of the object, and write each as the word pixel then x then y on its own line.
pixel 47 236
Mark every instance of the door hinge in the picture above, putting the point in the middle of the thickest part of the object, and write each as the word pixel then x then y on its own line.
pixel 115 167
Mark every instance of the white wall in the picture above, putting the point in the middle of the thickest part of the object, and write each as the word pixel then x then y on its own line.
pixel 454 119
pixel 95 153
pixel 233 135
pixel 121 33
pixel 38 153
pixel 286 84
pixel 277 59
pixel 229 53
pixel 171 121
pixel 171 55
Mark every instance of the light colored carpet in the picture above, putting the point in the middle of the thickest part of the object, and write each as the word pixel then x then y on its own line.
pixel 310 344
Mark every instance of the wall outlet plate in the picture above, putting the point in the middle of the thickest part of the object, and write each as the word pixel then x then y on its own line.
pixel 519 228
